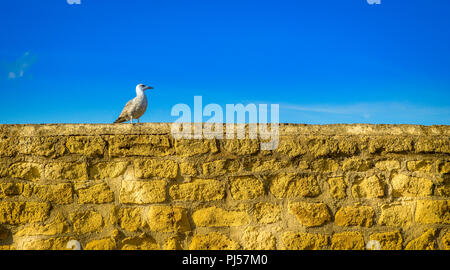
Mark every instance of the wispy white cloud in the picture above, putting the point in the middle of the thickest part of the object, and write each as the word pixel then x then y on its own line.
pixel 367 110
pixel 18 68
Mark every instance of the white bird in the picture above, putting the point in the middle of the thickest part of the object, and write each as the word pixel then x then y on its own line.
pixel 136 107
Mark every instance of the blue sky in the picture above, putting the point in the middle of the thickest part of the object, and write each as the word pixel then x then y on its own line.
pixel 323 61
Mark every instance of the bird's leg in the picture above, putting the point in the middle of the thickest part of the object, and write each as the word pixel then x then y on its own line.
pixel 131 120
pixel 138 121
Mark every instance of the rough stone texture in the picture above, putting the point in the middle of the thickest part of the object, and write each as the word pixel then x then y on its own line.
pixel 129 219
pixel 218 217
pixel 212 241
pixel 198 190
pixel 406 186
pixel 304 241
pixel 267 213
pixel 433 212
pixel 310 214
pixel 371 187
pixel 355 216
pixel 143 192
pixel 388 240
pixel 293 186
pixel 155 168
pixel 168 219
pixel 136 187
pixel 107 170
pixel 396 215
pixel 95 194
pixel 253 239
pixel 246 188
pixel 347 241
pixel 424 242
pixel 14 213
pixel 338 187
pixel 86 222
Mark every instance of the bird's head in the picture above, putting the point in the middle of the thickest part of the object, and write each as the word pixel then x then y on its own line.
pixel 143 87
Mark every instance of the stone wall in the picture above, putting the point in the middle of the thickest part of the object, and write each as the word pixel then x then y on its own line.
pixel 135 187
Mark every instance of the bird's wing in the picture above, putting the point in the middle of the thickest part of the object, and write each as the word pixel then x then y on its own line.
pixel 125 112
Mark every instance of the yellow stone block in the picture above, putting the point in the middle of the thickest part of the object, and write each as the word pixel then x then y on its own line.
pixel 218 217
pixel 198 190
pixel 143 192
pixel 155 168
pixel 168 219
pixel 246 188
pixel 86 222
pixel 95 194
pixel 290 185
pixel 355 216
pixel 347 241
pixel 310 214
pixel 304 241
pixel 213 241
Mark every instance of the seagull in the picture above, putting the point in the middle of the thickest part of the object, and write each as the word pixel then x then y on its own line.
pixel 136 107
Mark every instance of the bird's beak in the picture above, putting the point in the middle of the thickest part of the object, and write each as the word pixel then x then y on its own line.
pixel 148 87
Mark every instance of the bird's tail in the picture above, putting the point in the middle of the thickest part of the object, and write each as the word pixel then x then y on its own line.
pixel 120 120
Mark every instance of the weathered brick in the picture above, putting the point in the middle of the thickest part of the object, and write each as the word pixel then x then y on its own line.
pixel 371 187
pixel 356 164
pixel 325 165
pixel 14 213
pixel 258 166
pixel 388 165
pixel 188 168
pixel 246 188
pixel 57 194
pixel 142 242
pixel 337 187
pixel 420 166
pixel 355 216
pixel 168 219
pixel 241 147
pixel 86 222
pixel 173 243
pixel 443 167
pixel 155 168
pixel 310 214
pixel 26 171
pixel 90 146
pixel 253 239
pixel 188 148
pixel 432 145
pixel 15 189
pixel 8 146
pixel 388 240
pixel 4 233
pixel 218 217
pixel 140 192
pixel 95 194
pixel 321 146
pixel 291 147
pixel 107 170
pixel 267 213
pixel 445 240
pixel 42 146
pixel 390 144
pixel 406 186
pixel 424 242
pixel 129 219
pixel 139 145
pixel 198 190
pixel 290 185
pixel 102 244
pixel 212 241
pixel 396 215
pixel 66 171
pixel 57 243
pixel 56 226
pixel 304 241
pixel 433 212
pixel 347 241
